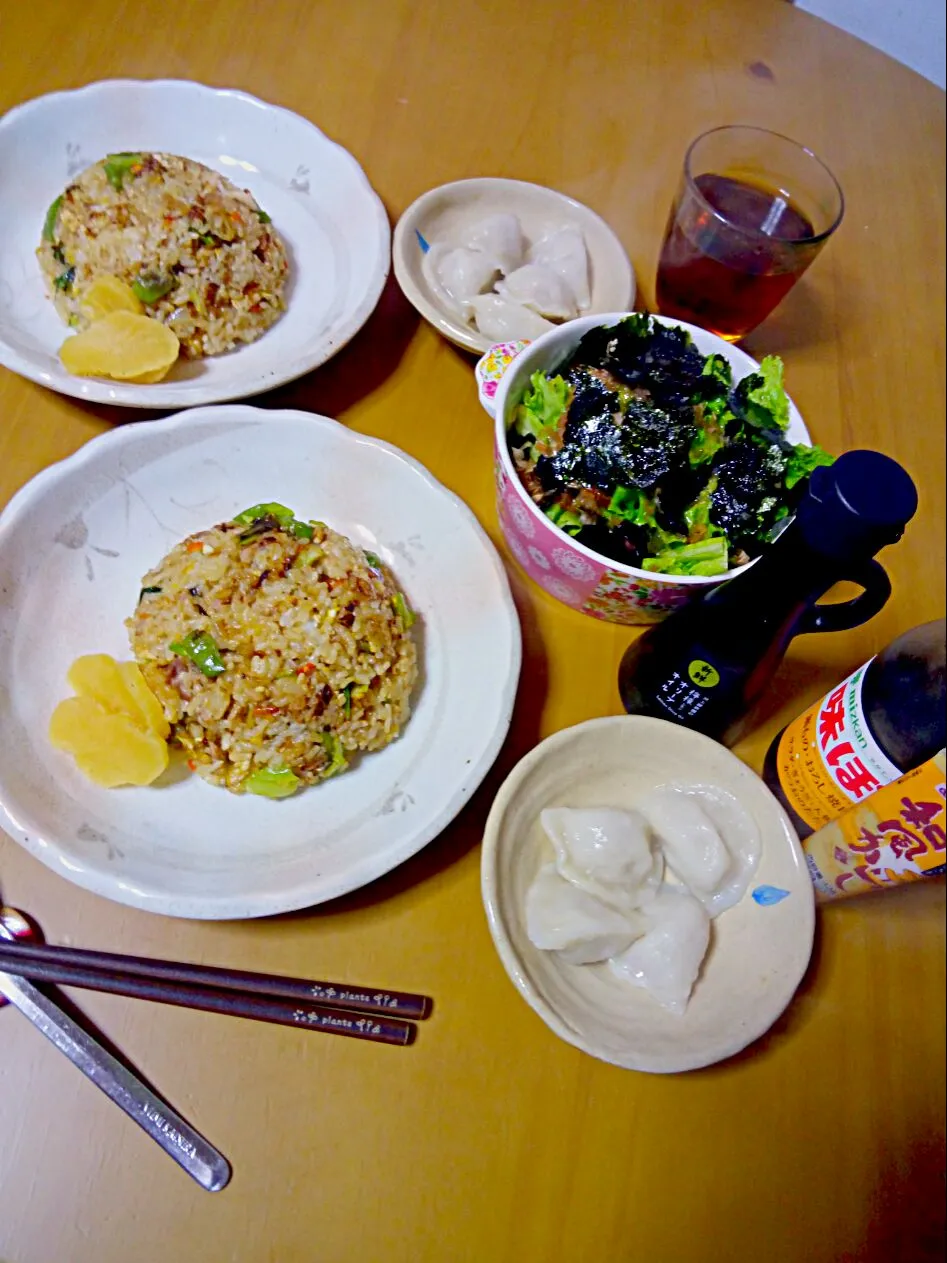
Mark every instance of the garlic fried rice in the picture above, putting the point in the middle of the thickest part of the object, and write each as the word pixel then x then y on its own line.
pixel 277 649
pixel 198 252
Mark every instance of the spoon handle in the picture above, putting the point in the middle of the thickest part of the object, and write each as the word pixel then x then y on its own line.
pixel 176 1137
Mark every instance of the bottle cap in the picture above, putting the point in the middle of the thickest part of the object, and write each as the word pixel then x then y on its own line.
pixel 857 505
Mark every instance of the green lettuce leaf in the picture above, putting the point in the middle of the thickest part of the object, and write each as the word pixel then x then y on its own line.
pixel 543 405
pixel 760 399
pixel 630 504
pixel 697 516
pixel 718 367
pixel 711 434
pixel 802 460
pixel 709 557
pixel 566 519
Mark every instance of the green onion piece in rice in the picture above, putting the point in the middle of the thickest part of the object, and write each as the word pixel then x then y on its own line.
pixel 310 555
pixel 150 286
pixel 262 215
pixel 403 609
pixel 64 280
pixel 117 165
pixel 373 561
pixel 347 699
pixel 201 649
pixel 147 592
pixel 52 215
pixel 272 782
pixel 285 517
pixel 278 511
pixel 333 748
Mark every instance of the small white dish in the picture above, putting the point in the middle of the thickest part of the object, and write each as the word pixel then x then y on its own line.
pixel 74 544
pixel 759 948
pixel 332 221
pixel 449 211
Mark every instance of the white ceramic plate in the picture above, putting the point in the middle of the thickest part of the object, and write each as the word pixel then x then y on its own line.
pixel 74 544
pixel 332 221
pixel 759 949
pixel 449 211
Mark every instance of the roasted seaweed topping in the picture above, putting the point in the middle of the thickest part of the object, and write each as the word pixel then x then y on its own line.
pixel 646 451
pixel 747 494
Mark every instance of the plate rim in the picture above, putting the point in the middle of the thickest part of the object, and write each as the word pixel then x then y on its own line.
pixel 246 907
pixel 510 958
pixel 122 395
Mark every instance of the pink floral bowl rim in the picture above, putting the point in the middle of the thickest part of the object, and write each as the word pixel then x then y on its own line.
pixel 549 351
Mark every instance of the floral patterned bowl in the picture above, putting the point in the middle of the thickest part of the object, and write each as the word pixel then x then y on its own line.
pixel 563 567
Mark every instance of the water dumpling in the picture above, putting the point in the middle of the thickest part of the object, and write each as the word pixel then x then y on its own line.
pixel 666 959
pixel 564 252
pixel 500 238
pixel 540 288
pixel 605 851
pixel 459 273
pixel 709 841
pixel 503 320
pixel 562 918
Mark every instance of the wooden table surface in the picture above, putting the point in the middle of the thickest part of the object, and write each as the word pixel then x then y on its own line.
pixel 491 1140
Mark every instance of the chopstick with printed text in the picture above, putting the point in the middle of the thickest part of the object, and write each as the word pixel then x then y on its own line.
pixel 361 1012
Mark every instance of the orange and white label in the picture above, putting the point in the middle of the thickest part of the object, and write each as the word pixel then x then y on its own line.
pixel 828 759
pixel 898 835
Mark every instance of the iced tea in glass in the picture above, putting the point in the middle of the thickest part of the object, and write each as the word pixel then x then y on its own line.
pixel 752 211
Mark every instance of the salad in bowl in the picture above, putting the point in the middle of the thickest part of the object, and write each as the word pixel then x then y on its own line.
pixel 640 458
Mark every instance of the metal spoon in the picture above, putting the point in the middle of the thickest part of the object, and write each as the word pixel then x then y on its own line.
pixel 177 1138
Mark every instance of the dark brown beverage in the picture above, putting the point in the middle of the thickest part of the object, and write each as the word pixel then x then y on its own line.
pixel 727 271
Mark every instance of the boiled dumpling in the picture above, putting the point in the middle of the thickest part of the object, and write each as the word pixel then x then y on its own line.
pixel 541 288
pixel 500 237
pixel 504 321
pixel 709 841
pixel 564 252
pixel 564 919
pixel 605 851
pixel 458 273
pixel 666 959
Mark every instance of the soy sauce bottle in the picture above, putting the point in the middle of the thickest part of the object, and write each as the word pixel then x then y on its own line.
pixel 887 718
pixel 708 664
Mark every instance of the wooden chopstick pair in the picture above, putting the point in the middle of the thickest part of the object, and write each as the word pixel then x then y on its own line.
pixel 385 1017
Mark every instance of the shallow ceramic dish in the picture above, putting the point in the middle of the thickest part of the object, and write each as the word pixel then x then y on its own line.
pixel 74 544
pixel 333 223
pixel 566 569
pixel 444 213
pixel 759 949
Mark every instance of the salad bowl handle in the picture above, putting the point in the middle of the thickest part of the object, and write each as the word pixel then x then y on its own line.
pixel 489 370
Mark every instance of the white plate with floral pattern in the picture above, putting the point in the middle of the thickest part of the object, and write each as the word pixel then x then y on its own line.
pixel 333 223
pixel 74 544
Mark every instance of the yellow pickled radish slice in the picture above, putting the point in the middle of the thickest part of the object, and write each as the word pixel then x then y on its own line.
pixel 110 749
pixel 121 345
pixel 147 379
pixel 107 294
pixel 97 675
pixel 145 700
pixel 119 687
pixel 72 724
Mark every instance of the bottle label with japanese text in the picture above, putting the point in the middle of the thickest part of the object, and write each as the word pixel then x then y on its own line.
pixel 898 835
pixel 827 759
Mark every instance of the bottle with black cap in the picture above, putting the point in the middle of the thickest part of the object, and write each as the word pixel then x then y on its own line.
pixel 709 663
